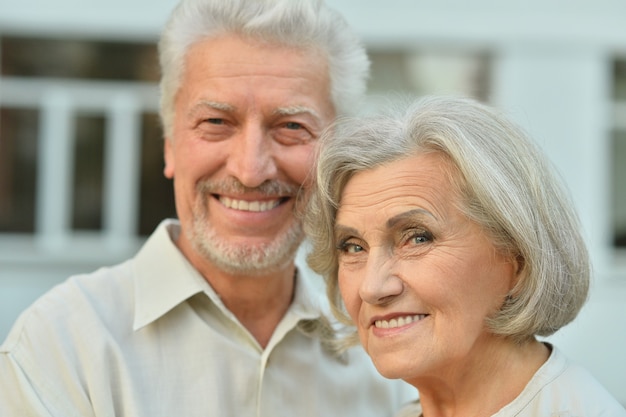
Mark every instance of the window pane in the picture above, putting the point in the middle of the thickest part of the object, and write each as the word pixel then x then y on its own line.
pixel 18 169
pixel 157 194
pixel 618 153
pixel 619 75
pixel 619 188
pixel 88 173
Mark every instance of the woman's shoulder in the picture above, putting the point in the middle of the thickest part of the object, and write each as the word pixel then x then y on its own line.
pixel 564 387
pixel 560 387
pixel 591 395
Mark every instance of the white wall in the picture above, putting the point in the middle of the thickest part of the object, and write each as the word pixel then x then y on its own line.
pixel 551 71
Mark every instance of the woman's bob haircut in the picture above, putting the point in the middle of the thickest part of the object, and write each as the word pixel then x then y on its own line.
pixel 506 186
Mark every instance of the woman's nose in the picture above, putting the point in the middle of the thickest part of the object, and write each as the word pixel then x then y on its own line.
pixel 381 283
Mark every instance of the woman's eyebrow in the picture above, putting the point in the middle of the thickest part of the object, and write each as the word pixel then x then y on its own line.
pixel 392 222
pixel 345 230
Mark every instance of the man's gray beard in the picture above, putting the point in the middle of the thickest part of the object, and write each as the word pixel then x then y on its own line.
pixel 243 258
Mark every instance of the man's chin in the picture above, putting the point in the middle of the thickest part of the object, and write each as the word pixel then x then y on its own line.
pixel 249 258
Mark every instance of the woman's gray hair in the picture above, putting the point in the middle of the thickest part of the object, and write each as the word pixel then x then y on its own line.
pixel 506 184
pixel 293 23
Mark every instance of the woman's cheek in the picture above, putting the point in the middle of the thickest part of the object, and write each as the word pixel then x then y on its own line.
pixel 350 294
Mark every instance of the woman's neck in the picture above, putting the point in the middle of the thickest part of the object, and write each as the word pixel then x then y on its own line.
pixel 484 384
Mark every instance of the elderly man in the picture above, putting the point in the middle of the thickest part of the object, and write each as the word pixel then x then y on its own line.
pixel 213 316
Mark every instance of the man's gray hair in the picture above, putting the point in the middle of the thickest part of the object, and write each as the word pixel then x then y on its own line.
pixel 293 23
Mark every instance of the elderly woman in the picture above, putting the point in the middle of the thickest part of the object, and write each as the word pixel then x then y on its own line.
pixel 444 236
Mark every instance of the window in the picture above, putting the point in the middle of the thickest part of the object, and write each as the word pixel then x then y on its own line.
pixel 18 169
pixel 87 73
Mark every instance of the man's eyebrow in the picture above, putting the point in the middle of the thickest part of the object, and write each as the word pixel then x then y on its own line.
pixel 292 110
pixel 215 105
pixel 408 215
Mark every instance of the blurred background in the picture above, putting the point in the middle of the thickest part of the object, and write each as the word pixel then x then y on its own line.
pixel 81 182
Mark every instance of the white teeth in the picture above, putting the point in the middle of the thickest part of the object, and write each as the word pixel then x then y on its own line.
pixel 249 205
pixel 399 322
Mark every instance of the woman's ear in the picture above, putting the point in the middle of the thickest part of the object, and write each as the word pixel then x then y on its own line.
pixel 519 264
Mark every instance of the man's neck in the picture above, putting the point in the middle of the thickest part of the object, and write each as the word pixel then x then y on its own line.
pixel 258 302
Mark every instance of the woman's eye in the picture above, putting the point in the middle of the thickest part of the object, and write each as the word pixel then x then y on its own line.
pixel 420 237
pixel 353 248
pixel 348 247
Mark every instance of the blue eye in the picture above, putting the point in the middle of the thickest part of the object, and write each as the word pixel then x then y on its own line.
pixel 347 247
pixel 419 236
pixel 352 248
pixel 420 239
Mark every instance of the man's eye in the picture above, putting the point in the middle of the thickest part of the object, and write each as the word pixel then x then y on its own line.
pixel 293 125
pixel 292 133
pixel 215 121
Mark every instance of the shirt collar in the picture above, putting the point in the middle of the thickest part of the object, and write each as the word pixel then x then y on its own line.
pixel 164 278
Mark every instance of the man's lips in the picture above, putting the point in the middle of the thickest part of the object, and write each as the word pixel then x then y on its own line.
pixel 397 321
pixel 250 205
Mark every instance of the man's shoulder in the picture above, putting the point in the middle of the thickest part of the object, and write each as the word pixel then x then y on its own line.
pixel 64 336
pixel 76 304
pixel 103 298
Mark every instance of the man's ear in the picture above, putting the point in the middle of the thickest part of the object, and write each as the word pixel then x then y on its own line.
pixel 168 155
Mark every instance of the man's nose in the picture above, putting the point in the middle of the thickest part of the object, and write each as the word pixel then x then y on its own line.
pixel 381 282
pixel 251 158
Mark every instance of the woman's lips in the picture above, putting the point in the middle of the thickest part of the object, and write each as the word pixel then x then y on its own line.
pixel 398 321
